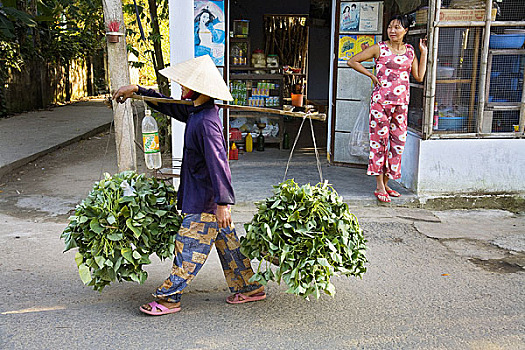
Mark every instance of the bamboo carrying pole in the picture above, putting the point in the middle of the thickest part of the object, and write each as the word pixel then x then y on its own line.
pixel 474 73
pixel 433 41
pixel 316 116
pixel 522 108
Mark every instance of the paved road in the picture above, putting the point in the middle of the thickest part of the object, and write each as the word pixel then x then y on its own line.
pixel 435 280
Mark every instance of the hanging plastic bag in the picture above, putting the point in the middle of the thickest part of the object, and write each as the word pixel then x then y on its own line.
pixel 360 137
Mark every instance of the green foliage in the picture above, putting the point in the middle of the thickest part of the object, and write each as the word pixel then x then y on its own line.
pixel 125 218
pixel 144 50
pixel 12 19
pixel 12 22
pixel 54 31
pixel 309 232
pixel 71 29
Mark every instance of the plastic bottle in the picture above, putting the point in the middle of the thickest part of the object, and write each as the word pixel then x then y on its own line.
pixel 234 152
pixel 260 142
pixel 150 139
pixel 286 140
pixel 248 140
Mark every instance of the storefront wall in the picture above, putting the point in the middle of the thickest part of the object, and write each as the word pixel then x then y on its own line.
pixel 181 49
pixel 411 161
pixel 477 156
pixel 471 159
pixel 463 166
pixel 430 167
pixel 350 96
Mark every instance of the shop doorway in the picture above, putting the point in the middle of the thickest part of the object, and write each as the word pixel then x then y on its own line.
pixel 289 32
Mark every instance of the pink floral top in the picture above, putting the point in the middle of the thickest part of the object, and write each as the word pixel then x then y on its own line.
pixel 393 73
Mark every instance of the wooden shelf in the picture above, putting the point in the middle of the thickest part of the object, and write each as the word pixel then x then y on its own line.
pixel 418 31
pixel 503 106
pixel 454 81
pixel 240 67
pixel 247 73
pixel 506 52
pixel 247 76
pixel 295 74
pixel 249 68
pixel 239 114
pixel 417 85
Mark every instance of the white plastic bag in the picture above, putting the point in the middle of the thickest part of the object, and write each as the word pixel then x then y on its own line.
pixel 360 137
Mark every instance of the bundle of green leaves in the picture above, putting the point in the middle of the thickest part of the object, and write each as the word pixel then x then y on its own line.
pixel 125 218
pixel 310 234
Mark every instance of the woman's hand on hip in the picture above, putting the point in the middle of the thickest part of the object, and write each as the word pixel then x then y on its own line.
pixel 224 217
pixel 125 92
pixel 375 80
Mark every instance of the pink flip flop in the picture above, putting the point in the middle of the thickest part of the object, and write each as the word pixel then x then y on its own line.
pixel 239 298
pixel 382 197
pixel 156 306
pixel 393 193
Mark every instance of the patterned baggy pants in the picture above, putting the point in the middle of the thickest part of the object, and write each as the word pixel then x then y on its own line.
pixel 195 238
pixel 388 134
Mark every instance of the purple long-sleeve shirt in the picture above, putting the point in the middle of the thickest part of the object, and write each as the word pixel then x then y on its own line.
pixel 205 178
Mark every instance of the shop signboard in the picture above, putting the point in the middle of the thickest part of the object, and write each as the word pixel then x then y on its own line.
pixel 350 45
pixel 455 15
pixel 209 30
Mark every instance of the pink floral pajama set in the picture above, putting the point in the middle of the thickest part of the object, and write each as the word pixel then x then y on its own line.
pixel 388 111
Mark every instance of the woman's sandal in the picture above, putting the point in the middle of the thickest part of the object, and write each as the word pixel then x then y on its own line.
pixel 382 197
pixel 239 298
pixel 393 193
pixel 158 309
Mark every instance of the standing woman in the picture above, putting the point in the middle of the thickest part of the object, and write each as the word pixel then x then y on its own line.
pixel 394 60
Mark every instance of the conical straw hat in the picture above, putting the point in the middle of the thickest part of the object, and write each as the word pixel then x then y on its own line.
pixel 201 75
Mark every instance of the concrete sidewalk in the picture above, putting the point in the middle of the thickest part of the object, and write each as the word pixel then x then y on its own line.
pixel 24 138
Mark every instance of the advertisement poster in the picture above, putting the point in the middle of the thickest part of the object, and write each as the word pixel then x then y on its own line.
pixel 349 17
pixel 369 17
pixel 350 45
pixel 209 30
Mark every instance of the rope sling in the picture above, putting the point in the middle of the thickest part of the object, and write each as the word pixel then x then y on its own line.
pixel 319 169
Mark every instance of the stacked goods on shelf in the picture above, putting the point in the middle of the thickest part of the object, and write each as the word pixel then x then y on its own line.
pixel 239 92
pixel 262 95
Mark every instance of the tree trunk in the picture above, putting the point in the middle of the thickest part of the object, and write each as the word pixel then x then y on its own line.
pixel 119 76
pixel 156 54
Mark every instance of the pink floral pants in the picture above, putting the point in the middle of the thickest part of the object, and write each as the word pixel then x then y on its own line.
pixel 388 134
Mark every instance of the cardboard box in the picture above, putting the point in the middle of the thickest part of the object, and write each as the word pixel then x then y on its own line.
pixel 455 15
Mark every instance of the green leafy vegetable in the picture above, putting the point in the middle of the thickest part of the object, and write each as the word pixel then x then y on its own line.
pixel 125 218
pixel 309 232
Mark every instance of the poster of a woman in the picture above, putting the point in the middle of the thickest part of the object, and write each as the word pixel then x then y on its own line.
pixel 209 30
pixel 349 17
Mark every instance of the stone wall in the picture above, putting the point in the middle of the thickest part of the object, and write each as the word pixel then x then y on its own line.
pixel 40 84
